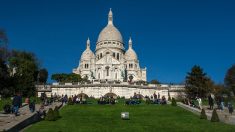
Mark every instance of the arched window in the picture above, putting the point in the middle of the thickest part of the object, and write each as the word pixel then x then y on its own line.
pixel 118 56
pixel 113 54
pixel 100 55
pixel 86 66
pixel 130 65
pixel 107 70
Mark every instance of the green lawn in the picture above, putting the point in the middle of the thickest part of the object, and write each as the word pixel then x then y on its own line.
pixel 143 118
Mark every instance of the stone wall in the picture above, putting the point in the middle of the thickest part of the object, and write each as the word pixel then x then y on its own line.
pixel 121 90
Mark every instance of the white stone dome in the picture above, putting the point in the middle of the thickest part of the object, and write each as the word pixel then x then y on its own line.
pixel 131 55
pixel 87 55
pixel 110 33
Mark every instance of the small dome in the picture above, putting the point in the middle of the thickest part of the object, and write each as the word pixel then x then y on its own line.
pixel 87 55
pixel 110 32
pixel 130 55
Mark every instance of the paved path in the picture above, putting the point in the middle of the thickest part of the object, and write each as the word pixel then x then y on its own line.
pixel 8 121
pixel 224 115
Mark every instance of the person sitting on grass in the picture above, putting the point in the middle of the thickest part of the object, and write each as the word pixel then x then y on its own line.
pixel 163 100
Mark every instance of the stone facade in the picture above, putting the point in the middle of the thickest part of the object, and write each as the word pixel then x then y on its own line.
pixel 110 62
pixel 121 90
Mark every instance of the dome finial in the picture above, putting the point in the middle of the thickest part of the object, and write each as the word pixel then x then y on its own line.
pixel 110 17
pixel 130 43
pixel 88 43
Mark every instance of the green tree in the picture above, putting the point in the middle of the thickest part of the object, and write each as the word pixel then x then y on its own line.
pixel 3 45
pixel 50 115
pixel 173 102
pixel 203 114
pixel 229 79
pixel 197 83
pixel 26 68
pixel 5 85
pixel 42 75
pixel 63 77
pixel 215 117
pixel 56 112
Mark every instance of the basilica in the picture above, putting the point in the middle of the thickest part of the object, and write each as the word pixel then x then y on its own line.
pixel 110 61
pixel 112 70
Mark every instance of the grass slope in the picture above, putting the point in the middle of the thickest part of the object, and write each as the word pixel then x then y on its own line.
pixel 143 118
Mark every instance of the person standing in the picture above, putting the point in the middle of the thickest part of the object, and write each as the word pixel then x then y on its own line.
pixel 16 104
pixel 230 108
pixel 211 102
pixel 199 100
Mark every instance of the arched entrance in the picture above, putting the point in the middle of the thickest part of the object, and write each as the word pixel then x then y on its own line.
pixel 138 96
pixel 110 95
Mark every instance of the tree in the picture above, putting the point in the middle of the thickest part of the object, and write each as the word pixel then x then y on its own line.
pixel 57 113
pixel 26 68
pixel 5 88
pixel 203 114
pixel 63 77
pixel 42 76
pixel 229 79
pixel 215 117
pixel 173 102
pixel 3 45
pixel 197 83
pixel 50 115
pixel 154 82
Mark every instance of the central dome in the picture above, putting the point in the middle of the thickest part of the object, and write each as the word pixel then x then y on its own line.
pixel 110 32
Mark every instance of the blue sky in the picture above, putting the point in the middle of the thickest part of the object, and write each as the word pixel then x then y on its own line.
pixel 169 36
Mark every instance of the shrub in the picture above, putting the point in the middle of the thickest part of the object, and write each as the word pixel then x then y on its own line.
pixel 70 101
pixel 169 98
pixel 203 114
pixel 148 101
pixel 7 109
pixel 215 117
pixel 50 115
pixel 56 113
pixel 173 102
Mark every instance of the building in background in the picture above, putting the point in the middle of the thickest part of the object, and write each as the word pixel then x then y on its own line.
pixel 110 62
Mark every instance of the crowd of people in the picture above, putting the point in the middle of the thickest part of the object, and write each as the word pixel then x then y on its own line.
pixel 74 99
pixel 154 99
pixel 213 101
pixel 106 100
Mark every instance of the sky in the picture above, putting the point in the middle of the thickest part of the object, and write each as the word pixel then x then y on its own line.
pixel 169 36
